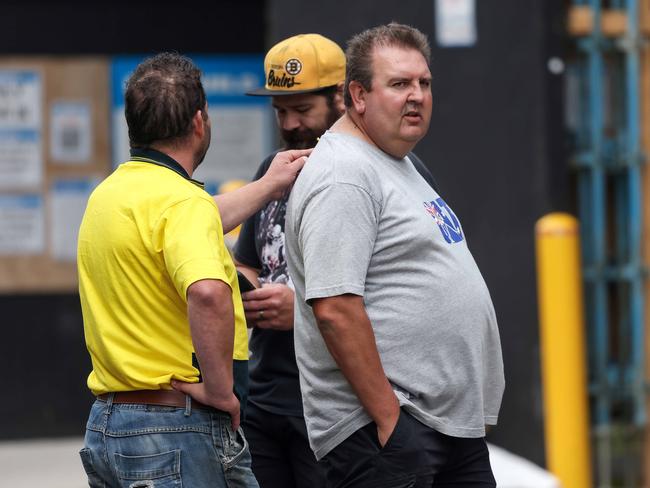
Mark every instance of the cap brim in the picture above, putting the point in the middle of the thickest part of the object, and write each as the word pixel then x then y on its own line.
pixel 265 92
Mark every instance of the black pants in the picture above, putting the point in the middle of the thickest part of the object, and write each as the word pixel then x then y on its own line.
pixel 280 450
pixel 414 456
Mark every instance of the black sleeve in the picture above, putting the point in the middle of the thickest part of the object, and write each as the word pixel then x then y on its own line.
pixel 245 250
pixel 424 171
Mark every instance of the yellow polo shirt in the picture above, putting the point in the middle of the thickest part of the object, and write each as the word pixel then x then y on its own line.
pixel 148 233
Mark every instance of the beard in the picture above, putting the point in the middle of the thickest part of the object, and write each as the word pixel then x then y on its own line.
pixel 306 138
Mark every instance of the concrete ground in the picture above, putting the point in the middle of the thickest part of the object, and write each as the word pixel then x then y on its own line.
pixel 52 463
pixel 55 463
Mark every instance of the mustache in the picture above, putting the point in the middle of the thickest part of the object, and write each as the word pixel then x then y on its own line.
pixel 411 107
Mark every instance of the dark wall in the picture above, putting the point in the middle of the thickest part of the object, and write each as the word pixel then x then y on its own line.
pixel 46 365
pixel 494 148
pixel 117 27
pixel 42 350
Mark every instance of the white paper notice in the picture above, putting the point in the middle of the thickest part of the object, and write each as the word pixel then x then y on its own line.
pixel 70 132
pixel 21 160
pixel 68 200
pixel 21 225
pixel 456 23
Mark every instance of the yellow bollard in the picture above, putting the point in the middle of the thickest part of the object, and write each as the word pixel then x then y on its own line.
pixel 562 344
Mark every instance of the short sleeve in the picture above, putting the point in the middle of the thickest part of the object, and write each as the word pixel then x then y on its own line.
pixel 192 243
pixel 336 236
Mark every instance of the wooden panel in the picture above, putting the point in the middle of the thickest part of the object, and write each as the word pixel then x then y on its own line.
pixel 645 141
pixel 613 23
pixel 644 14
pixel 580 20
pixel 64 79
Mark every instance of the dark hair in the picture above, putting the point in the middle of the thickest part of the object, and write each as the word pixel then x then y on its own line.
pixel 329 92
pixel 360 49
pixel 162 96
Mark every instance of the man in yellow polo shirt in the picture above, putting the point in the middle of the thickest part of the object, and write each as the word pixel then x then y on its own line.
pixel 163 317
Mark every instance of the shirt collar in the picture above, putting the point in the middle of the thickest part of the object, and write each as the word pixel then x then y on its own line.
pixel 148 155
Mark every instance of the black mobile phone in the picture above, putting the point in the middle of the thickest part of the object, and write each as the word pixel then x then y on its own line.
pixel 244 283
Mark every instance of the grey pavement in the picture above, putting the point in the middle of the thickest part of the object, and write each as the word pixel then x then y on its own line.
pixel 51 463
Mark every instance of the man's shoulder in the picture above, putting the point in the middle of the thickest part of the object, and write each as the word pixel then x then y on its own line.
pixel 341 159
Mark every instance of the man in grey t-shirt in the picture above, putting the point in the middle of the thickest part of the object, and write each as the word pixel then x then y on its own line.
pixel 396 338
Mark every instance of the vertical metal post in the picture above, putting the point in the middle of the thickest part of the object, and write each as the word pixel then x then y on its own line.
pixel 562 341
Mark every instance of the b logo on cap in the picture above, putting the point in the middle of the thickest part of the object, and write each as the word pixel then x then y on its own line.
pixel 293 66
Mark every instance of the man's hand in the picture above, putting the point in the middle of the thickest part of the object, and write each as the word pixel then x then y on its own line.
pixel 236 206
pixel 270 307
pixel 387 425
pixel 201 393
pixel 284 170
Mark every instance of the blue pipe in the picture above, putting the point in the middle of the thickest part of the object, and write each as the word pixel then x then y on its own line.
pixel 636 375
pixel 596 239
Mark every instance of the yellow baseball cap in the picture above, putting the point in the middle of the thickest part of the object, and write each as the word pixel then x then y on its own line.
pixel 302 64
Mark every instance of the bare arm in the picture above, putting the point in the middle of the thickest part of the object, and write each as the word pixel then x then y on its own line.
pixel 346 329
pixel 211 316
pixel 236 206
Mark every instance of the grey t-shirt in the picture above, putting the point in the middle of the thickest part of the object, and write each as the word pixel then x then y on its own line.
pixel 362 222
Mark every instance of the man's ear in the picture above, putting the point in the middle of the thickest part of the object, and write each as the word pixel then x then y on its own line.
pixel 198 124
pixel 339 104
pixel 358 95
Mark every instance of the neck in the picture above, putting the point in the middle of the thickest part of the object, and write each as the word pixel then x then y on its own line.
pixel 353 124
pixel 182 155
pixel 348 125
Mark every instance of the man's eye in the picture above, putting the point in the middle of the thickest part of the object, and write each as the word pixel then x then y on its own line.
pixel 399 84
pixel 302 110
pixel 426 83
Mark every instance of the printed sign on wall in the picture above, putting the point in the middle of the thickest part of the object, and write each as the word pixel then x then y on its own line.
pixel 70 132
pixel 456 23
pixel 21 159
pixel 22 224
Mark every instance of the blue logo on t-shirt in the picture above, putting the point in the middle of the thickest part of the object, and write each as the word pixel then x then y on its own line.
pixel 446 220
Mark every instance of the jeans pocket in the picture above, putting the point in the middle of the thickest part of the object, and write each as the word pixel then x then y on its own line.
pixel 94 481
pixel 155 470
pixel 236 447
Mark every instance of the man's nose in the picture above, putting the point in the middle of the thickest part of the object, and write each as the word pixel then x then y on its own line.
pixel 416 93
pixel 290 121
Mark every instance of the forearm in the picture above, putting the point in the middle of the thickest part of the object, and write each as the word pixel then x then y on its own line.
pixel 351 342
pixel 236 206
pixel 211 320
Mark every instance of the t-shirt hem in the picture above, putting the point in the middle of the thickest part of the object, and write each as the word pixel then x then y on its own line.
pixel 332 291
pixel 359 419
pixel 349 426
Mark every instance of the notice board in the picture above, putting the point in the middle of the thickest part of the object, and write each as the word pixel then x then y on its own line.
pixel 54 149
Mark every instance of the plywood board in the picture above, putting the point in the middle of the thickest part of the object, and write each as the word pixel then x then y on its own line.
pixel 65 82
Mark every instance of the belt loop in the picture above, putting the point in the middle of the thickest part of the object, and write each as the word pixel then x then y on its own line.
pixel 109 403
pixel 188 405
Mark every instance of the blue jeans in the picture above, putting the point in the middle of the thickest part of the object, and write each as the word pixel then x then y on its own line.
pixel 147 446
